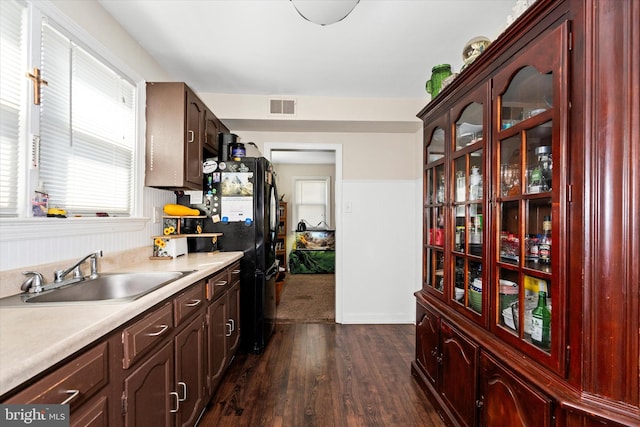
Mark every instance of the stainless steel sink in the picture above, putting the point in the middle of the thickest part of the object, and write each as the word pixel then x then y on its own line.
pixel 109 287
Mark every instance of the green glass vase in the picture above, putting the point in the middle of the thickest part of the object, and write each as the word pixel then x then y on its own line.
pixel 438 74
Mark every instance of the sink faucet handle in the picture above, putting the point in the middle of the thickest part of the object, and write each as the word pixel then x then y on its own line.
pixel 94 264
pixel 33 283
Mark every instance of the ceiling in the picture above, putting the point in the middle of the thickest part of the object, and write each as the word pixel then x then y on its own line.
pixel 383 49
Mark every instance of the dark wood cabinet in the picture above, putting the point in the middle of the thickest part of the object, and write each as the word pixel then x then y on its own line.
pixel 223 324
pixel 190 367
pixel 159 369
pixel 181 131
pixel 233 318
pixel 216 343
pixel 142 336
pixel 195 139
pixel 428 351
pixel 531 212
pixel 82 383
pixel 459 367
pixel 507 401
pixel 93 414
pixel 211 131
pixel 448 361
pixel 150 398
pixel 177 397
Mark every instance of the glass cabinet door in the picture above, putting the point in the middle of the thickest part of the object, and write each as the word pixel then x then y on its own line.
pixel 468 178
pixel 435 198
pixel 527 277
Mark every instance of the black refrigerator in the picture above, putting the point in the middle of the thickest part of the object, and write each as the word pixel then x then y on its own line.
pixel 242 200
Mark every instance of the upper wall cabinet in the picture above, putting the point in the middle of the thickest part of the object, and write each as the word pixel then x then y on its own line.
pixel 181 132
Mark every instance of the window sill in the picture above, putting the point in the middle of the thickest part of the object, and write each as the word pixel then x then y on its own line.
pixel 33 228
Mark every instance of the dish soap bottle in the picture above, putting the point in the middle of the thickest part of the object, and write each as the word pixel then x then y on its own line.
pixel 541 319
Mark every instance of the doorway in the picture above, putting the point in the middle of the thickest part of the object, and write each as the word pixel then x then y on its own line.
pixel 310 154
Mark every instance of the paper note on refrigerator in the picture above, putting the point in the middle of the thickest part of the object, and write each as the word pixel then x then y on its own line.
pixel 236 209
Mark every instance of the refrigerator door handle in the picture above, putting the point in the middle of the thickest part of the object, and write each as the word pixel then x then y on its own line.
pixel 272 271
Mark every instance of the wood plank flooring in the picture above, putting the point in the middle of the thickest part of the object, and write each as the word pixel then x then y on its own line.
pixel 314 374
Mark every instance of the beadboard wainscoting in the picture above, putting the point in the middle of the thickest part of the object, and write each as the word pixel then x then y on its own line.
pixel 67 239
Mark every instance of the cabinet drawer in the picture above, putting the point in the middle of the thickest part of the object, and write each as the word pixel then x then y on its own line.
pixel 145 333
pixel 217 284
pixel 188 303
pixel 234 273
pixel 73 383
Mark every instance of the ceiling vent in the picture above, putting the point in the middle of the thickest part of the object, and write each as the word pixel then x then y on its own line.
pixel 286 107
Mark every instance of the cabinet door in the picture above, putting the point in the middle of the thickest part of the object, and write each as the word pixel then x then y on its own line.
pixel 216 342
pixel 194 139
pixel 148 392
pixel 233 319
pixel 428 342
pixel 436 197
pixel 530 151
pixel 210 133
pixel 459 373
pixel 506 401
pixel 190 371
pixel 467 180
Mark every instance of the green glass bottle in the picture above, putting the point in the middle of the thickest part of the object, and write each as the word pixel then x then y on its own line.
pixel 541 320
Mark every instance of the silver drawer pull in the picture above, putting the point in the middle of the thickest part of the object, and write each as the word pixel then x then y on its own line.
pixel 173 411
pixel 163 329
pixel 235 272
pixel 73 393
pixel 191 136
pixel 228 334
pixel 184 391
pixel 221 283
pixel 233 325
pixel 194 303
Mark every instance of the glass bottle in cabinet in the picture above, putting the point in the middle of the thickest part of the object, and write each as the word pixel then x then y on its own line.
pixel 434 212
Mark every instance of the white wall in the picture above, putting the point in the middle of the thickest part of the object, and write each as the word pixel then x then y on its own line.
pixel 380 270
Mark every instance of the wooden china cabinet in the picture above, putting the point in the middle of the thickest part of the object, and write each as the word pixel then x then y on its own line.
pixel 528 314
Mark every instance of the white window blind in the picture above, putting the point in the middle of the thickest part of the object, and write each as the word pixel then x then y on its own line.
pixel 87 129
pixel 312 200
pixel 13 51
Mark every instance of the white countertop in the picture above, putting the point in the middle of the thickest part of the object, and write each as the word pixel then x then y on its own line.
pixel 32 339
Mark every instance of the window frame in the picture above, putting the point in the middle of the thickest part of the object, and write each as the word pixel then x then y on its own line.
pixel 327 199
pixel 24 226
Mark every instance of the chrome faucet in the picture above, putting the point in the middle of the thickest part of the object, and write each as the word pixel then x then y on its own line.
pixel 34 282
pixel 77 274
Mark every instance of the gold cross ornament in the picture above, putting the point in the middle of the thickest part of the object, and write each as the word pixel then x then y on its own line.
pixel 37 82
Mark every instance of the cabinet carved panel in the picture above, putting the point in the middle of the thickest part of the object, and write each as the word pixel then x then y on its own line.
pixel 428 342
pixel 507 401
pixel 459 373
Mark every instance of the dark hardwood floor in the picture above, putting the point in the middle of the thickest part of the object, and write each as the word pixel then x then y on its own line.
pixel 314 374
